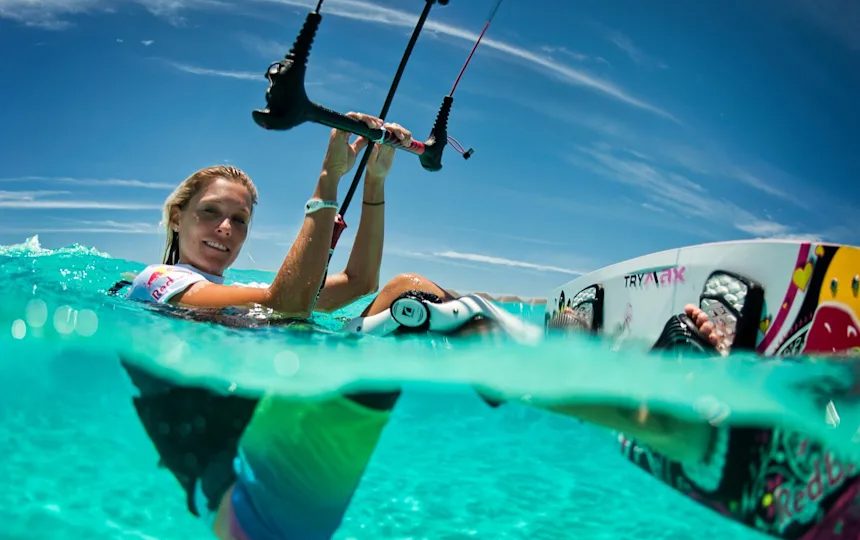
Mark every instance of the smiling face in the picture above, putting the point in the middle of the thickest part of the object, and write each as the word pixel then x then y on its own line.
pixel 213 225
pixel 835 326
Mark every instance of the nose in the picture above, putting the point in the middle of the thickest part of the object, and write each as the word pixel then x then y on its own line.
pixel 224 227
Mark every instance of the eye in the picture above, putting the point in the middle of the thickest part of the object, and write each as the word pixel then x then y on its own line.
pixel 241 219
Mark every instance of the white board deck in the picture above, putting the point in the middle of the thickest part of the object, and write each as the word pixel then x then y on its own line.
pixel 812 301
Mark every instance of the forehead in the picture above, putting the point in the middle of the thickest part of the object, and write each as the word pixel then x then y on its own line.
pixel 227 192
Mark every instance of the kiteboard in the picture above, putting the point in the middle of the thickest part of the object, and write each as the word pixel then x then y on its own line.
pixel 776 297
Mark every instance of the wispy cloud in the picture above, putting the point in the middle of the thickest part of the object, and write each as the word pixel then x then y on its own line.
pixel 55 14
pixel 625 44
pixel 675 193
pixel 760 227
pixel 147 42
pixel 770 229
pixel 365 11
pixel 28 195
pixel 48 14
pixel 99 182
pixel 83 226
pixel 197 70
pixel 40 200
pixel 839 18
pixel 501 261
pixel 577 56
pixel 699 157
pixel 266 48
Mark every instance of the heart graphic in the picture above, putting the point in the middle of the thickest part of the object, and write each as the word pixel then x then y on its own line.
pixel 802 275
pixel 764 324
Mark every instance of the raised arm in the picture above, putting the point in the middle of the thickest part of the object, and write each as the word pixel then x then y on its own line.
pixel 361 275
pixel 296 283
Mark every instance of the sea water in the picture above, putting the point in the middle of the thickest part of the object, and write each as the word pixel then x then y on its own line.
pixel 76 463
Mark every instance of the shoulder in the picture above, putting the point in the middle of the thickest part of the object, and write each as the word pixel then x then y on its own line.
pixel 160 282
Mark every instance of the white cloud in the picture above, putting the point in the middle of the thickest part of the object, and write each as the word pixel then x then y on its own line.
pixel 266 48
pixel 147 42
pixel 763 227
pixel 577 56
pixel 28 195
pixel 50 13
pixel 54 14
pixel 47 14
pixel 364 11
pixel 106 227
pixel 697 157
pixel 501 261
pixel 101 182
pixel 197 70
pixel 35 200
pixel 76 205
pixel 677 194
pixel 625 44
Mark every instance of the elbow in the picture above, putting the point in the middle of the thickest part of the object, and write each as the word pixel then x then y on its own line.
pixel 293 306
pixel 369 287
pixel 361 285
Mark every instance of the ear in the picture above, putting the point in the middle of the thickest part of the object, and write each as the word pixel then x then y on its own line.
pixel 174 219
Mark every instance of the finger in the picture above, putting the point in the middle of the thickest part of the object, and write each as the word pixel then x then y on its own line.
pixel 339 134
pixel 359 144
pixel 371 121
pixel 402 134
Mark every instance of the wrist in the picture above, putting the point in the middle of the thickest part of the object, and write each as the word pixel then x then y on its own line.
pixel 327 186
pixel 374 192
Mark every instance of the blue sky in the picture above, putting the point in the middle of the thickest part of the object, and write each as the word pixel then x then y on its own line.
pixel 602 130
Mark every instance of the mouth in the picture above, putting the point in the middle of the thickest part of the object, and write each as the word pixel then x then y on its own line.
pixel 215 245
pixel 834 330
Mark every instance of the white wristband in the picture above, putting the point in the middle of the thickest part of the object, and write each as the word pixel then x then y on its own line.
pixel 318 204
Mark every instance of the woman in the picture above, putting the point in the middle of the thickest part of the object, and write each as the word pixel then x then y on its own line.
pixel 208 216
pixel 299 461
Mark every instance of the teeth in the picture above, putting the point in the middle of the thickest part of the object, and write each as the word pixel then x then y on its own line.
pixel 216 245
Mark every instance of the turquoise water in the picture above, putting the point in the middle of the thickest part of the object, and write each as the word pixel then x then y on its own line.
pixel 77 463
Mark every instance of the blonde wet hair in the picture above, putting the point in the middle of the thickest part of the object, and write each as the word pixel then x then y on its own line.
pixel 190 187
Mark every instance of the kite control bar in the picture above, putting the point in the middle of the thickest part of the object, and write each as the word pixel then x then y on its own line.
pixel 287 104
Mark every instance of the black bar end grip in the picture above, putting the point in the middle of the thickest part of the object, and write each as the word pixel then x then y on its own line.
pixel 431 159
pixel 287 102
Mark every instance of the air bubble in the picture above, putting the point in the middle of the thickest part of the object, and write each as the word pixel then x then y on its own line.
pixel 19 329
pixel 65 319
pixel 36 313
pixel 286 363
pixel 88 323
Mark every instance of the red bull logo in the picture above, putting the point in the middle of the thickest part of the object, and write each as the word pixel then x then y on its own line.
pixel 153 277
pixel 159 292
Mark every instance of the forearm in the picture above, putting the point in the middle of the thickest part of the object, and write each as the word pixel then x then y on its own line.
pixel 361 275
pixel 297 282
pixel 366 255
